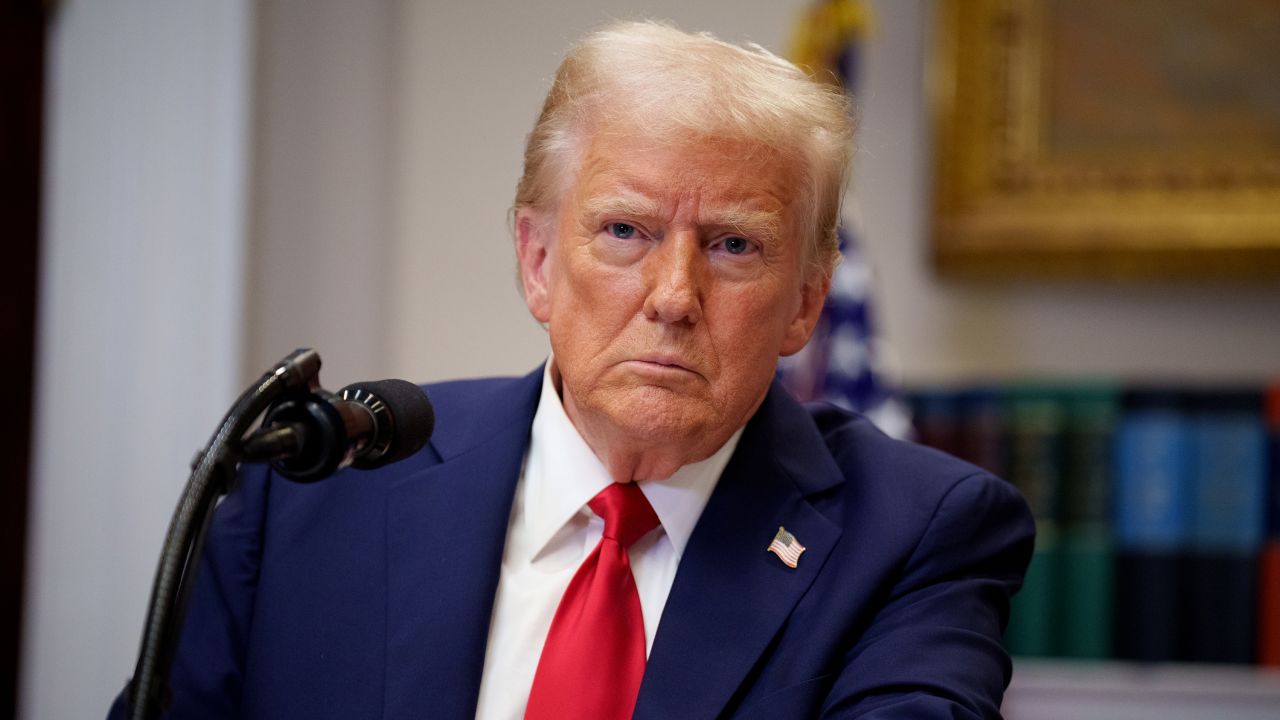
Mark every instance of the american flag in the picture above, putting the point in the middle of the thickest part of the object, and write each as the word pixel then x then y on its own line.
pixel 842 364
pixel 786 547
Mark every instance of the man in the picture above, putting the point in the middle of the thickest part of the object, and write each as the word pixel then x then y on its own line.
pixel 648 523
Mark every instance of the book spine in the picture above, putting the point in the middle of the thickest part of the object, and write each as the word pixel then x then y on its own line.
pixel 1035 425
pixel 1088 550
pixel 1227 527
pixel 1269 558
pixel 1152 515
pixel 936 419
pixel 1269 605
pixel 982 432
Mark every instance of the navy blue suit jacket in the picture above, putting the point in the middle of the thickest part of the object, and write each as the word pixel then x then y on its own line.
pixel 369 595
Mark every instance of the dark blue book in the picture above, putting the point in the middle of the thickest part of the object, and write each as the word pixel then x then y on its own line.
pixel 1154 456
pixel 1228 527
pixel 1153 513
pixel 1273 472
pixel 1149 605
pixel 1231 472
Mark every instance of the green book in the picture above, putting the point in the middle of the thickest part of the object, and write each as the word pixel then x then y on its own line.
pixel 1087 548
pixel 1035 424
pixel 1087 567
pixel 1033 621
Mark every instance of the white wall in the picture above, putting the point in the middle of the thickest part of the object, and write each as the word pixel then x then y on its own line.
pixel 139 319
pixel 321 207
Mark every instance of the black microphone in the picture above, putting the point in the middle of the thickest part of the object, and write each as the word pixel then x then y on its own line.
pixel 366 425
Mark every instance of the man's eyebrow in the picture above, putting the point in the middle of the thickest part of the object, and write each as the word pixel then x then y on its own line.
pixel 764 224
pixel 622 205
pixel 757 223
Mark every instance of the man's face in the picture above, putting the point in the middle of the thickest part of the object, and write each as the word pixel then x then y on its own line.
pixel 671 279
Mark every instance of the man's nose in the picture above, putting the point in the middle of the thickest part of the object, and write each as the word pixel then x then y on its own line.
pixel 675 280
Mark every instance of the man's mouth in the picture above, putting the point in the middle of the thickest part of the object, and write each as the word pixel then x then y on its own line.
pixel 666 359
pixel 666 363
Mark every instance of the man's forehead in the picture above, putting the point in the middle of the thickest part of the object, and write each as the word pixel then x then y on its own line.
pixel 639 142
pixel 645 174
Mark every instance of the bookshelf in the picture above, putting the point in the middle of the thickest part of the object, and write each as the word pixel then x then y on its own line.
pixel 1155 587
pixel 1102 690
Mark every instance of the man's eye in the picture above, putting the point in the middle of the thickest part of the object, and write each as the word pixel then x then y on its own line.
pixel 622 231
pixel 736 245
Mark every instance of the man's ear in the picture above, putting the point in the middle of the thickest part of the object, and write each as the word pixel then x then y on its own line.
pixel 812 296
pixel 533 250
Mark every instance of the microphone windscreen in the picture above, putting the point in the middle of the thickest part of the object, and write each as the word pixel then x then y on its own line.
pixel 413 419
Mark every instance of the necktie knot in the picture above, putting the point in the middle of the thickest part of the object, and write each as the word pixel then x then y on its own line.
pixel 627 514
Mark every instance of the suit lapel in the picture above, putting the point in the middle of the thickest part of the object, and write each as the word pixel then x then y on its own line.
pixel 446 529
pixel 730 595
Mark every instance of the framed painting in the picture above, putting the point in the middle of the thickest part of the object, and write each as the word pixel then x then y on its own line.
pixel 1104 139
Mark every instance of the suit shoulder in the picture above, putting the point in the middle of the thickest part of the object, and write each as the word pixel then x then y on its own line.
pixel 861 450
pixel 853 437
pixel 468 410
pixel 448 393
pixel 961 507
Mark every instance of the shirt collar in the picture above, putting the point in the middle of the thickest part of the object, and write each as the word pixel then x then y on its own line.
pixel 569 474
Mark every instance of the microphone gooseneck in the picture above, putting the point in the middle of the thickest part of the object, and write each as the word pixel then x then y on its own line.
pixel 307 434
pixel 211 474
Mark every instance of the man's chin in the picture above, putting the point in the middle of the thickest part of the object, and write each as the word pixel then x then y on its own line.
pixel 649 415
pixel 657 415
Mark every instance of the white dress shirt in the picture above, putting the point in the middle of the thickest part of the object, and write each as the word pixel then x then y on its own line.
pixel 551 532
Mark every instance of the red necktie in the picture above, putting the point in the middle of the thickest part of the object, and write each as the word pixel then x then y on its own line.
pixel 593 658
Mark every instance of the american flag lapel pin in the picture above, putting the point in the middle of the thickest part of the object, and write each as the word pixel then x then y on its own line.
pixel 786 547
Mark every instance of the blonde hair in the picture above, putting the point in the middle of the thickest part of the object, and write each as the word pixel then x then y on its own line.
pixel 662 81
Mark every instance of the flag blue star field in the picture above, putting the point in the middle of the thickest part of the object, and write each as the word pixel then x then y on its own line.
pixel 841 363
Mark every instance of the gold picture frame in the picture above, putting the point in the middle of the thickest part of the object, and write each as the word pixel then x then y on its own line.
pixel 1104 139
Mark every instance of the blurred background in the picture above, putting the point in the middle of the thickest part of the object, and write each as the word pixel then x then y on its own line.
pixel 195 189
